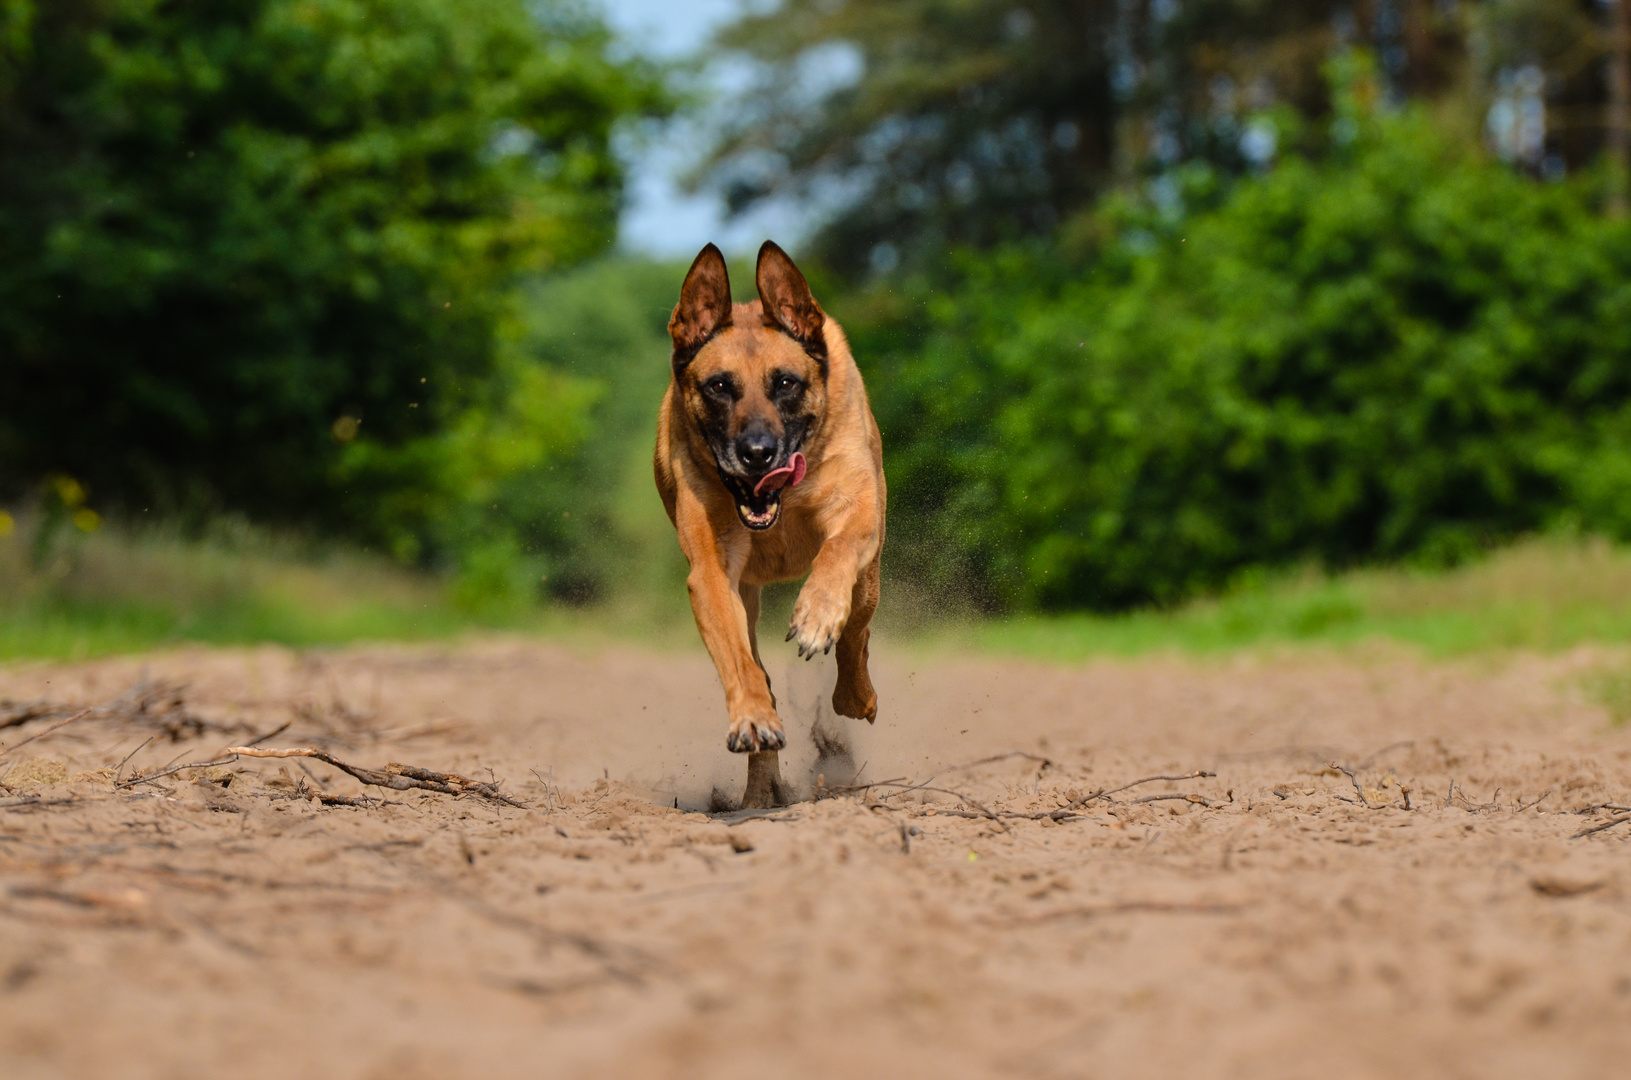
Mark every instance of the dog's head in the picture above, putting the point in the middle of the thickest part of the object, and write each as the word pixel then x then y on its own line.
pixel 752 378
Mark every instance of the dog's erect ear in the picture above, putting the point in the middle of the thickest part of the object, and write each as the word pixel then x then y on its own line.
pixel 704 308
pixel 788 302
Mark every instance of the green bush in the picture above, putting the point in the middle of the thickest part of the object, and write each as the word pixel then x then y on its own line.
pixel 257 255
pixel 1401 351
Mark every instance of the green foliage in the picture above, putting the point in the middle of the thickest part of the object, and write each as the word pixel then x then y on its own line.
pixel 1399 352
pixel 593 514
pixel 545 487
pixel 257 254
pixel 918 124
pixel 969 122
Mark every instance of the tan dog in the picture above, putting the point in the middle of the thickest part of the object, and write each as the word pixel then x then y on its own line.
pixel 770 465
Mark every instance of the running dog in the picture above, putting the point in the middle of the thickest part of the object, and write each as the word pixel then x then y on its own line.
pixel 771 467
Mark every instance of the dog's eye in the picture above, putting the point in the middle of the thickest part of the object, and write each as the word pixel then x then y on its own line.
pixel 785 383
pixel 719 387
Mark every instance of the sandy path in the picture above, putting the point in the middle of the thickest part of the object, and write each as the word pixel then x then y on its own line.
pixel 1277 929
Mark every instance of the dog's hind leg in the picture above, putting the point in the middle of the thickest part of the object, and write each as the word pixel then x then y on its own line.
pixel 854 696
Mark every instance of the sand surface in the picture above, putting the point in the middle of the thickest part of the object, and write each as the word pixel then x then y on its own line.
pixel 997 921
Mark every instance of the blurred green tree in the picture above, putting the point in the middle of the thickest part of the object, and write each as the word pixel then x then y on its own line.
pixel 1398 351
pixel 926 123
pixel 257 254
pixel 915 126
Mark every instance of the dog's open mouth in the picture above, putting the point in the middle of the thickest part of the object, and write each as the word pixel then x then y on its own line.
pixel 760 505
pixel 762 517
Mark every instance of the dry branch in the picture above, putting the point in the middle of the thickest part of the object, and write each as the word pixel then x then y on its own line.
pixel 18 713
pixel 1060 815
pixel 1175 795
pixel 279 730
pixel 1092 796
pixel 35 800
pixel 1068 812
pixel 1531 806
pixel 395 776
pixel 1621 820
pixel 1354 780
pixel 145 778
pixel 156 703
pixel 341 800
pixel 1199 774
pixel 42 734
pixel 985 812
pixel 126 760
pixel 1594 807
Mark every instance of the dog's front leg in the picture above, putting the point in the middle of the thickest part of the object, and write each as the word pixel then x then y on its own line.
pixel 823 606
pixel 723 623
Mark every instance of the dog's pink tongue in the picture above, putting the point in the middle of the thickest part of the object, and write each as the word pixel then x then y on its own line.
pixel 784 477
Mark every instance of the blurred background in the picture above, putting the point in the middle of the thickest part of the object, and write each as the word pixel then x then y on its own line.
pixel 1186 322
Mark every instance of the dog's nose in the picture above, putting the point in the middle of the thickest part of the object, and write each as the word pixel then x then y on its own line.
pixel 757 449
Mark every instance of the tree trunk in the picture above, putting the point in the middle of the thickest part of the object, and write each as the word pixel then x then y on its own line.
pixel 1619 105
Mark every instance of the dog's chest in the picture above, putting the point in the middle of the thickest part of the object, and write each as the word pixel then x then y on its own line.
pixel 785 551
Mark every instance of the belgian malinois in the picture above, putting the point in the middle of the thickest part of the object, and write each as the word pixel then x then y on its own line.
pixel 771 467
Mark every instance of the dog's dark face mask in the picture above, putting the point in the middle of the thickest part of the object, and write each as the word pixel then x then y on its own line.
pixel 752 377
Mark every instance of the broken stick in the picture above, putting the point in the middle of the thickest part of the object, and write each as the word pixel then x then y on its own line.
pixel 1600 828
pixel 395 776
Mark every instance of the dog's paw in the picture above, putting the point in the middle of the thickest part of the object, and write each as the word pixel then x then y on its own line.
pixel 858 701
pixel 818 619
pixel 755 733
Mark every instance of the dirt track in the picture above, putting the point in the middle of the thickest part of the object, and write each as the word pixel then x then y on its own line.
pixel 1277 929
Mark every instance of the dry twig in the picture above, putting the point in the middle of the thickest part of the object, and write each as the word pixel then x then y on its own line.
pixel 1068 812
pixel 154 702
pixel 1092 796
pixel 279 730
pixel 1594 807
pixel 1349 773
pixel 341 800
pixel 147 778
pixel 18 713
pixel 1175 795
pixel 130 755
pixel 35 800
pixel 1199 774
pixel 42 734
pixel 395 776
pixel 1531 806
pixel 1621 820
pixel 985 812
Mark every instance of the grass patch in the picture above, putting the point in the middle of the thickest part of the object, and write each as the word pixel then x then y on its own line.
pixel 110 591
pixel 1544 594
pixel 113 590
